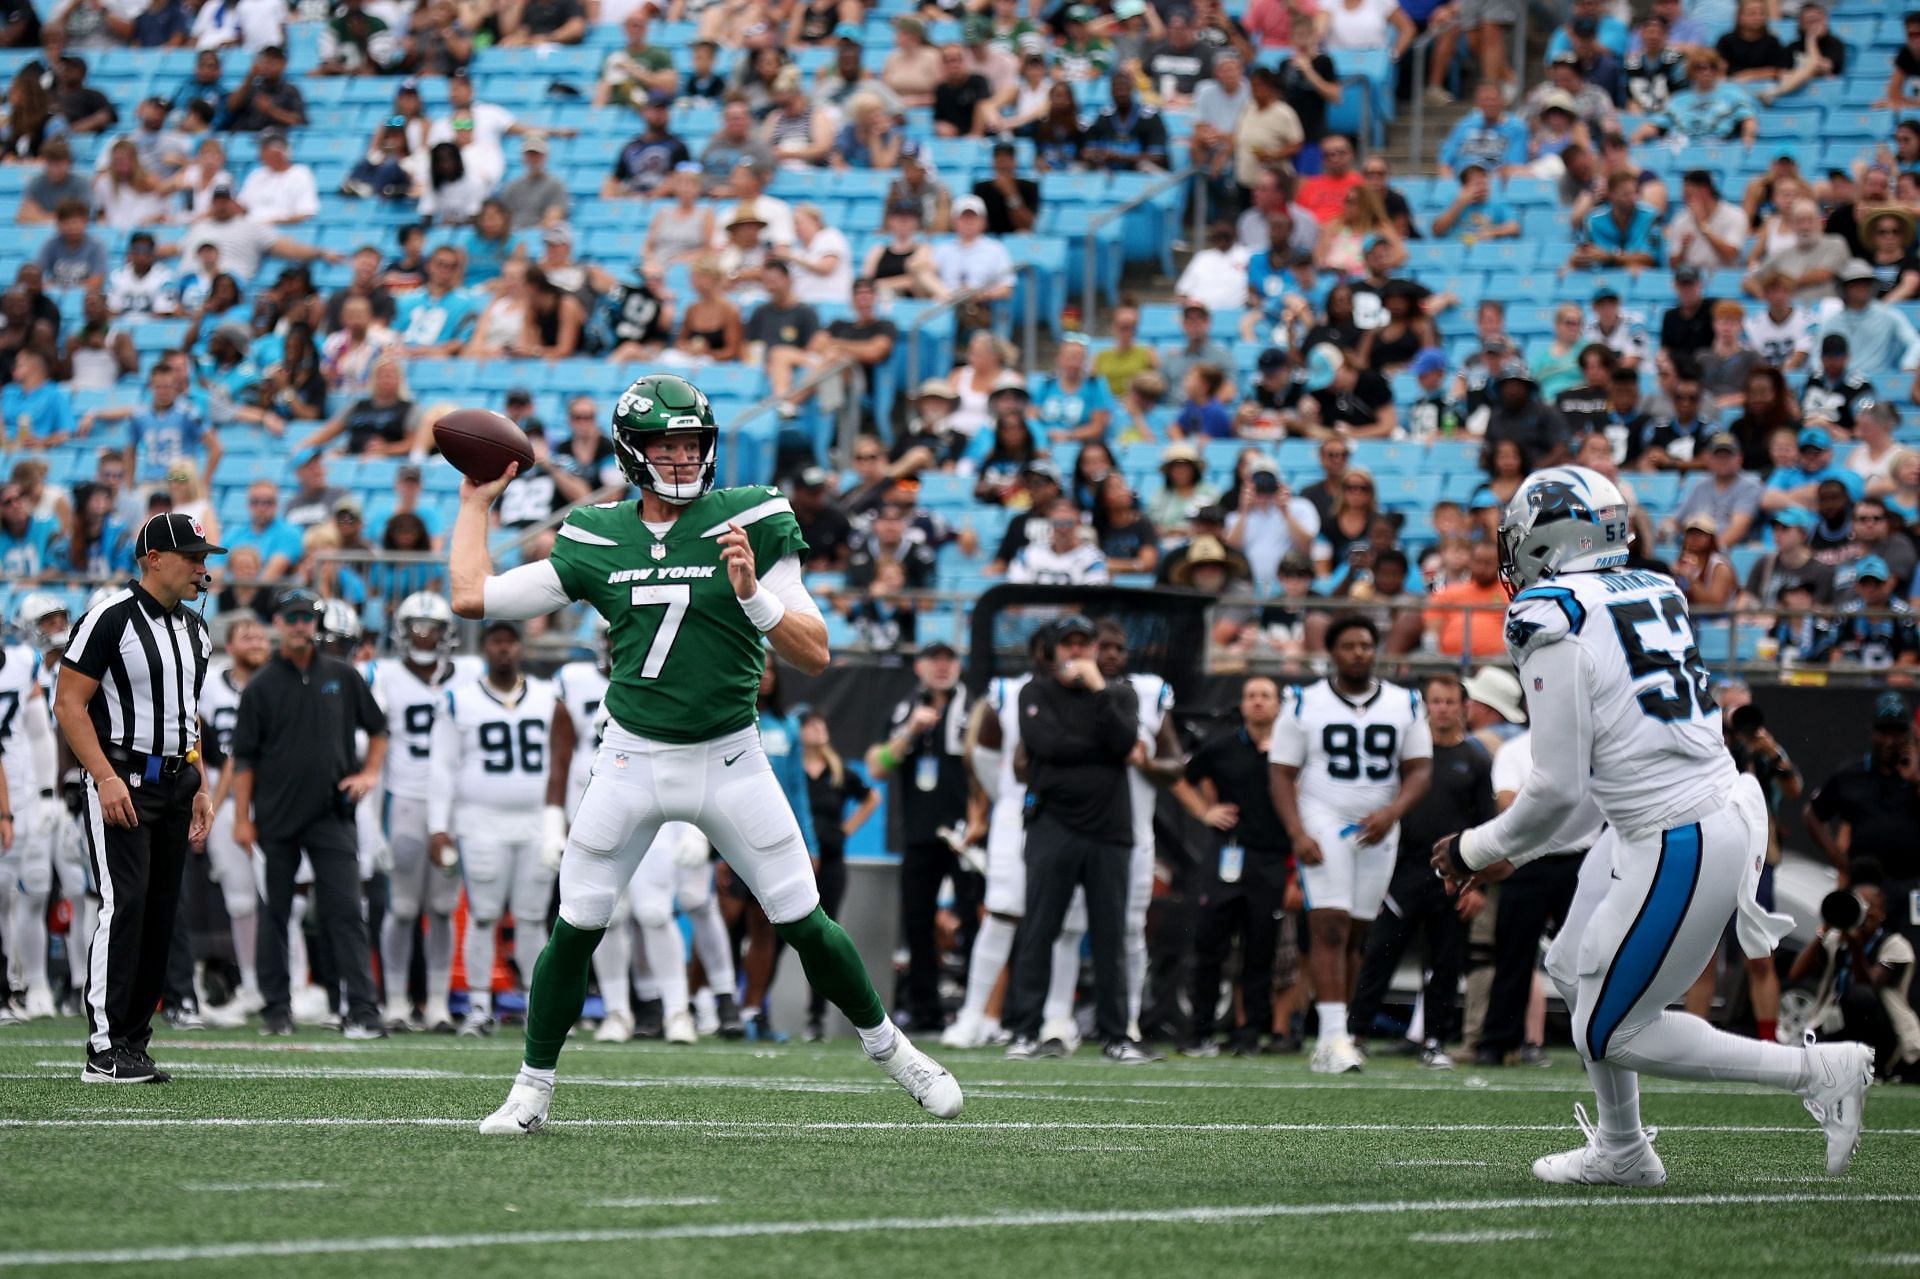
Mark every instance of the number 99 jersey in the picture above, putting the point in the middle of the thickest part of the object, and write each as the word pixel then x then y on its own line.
pixel 1611 657
pixel 1349 752
pixel 490 756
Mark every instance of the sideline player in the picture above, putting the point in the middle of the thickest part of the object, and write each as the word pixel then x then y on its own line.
pixel 487 797
pixel 27 832
pixel 248 647
pixel 45 621
pixel 1623 712
pixel 1350 755
pixel 689 579
pixel 410 688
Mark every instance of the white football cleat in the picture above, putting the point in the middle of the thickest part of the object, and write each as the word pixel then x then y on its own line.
pixel 476 1025
pixel 1836 1094
pixel 967 1031
pixel 615 1028
pixel 1336 1057
pixel 437 1017
pixel 1591 1165
pixel 1064 1029
pixel 38 1004
pixel 680 1028
pixel 249 1000
pixel 227 1016
pixel 309 1004
pixel 524 1111
pixel 925 1079
pixel 398 1015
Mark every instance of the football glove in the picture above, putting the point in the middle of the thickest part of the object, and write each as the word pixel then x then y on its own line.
pixel 553 836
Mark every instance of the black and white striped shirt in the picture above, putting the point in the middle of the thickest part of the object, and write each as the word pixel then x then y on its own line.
pixel 151 663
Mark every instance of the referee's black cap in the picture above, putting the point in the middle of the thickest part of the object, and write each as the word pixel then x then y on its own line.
pixel 174 532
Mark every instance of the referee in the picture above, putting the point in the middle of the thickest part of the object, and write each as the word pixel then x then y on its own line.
pixel 128 703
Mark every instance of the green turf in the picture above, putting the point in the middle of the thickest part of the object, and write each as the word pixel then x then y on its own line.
pixel 1057 1169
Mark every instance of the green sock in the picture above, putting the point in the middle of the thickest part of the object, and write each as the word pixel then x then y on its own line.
pixel 558 990
pixel 833 968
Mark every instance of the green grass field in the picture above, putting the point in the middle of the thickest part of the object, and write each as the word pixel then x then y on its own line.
pixel 312 1156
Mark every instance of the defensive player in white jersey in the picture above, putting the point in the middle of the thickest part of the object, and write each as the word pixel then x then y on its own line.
pixel 410 688
pixel 247 647
pixel 43 618
pixel 489 768
pixel 1350 755
pixel 1622 712
pixel 1157 762
pixel 28 760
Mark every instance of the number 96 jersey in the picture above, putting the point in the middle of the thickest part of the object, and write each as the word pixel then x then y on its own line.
pixel 1349 752
pixel 490 756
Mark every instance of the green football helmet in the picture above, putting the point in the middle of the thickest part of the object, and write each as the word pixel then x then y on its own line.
pixel 658 405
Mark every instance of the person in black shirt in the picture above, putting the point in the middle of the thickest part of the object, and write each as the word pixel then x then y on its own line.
pixel 1176 66
pixel 1309 81
pixel 1871 809
pixel 1128 135
pixel 1656 72
pixel 1586 406
pixel 831 786
pixel 1077 732
pixel 83 107
pixel 826 528
pixel 1836 393
pixel 297 780
pixel 958 97
pixel 1013 202
pixel 1460 797
pixel 1354 397
pixel 1753 54
pixel 924 760
pixel 891 536
pixel 266 99
pixel 1041 481
pixel 1687 327
pixel 1244 869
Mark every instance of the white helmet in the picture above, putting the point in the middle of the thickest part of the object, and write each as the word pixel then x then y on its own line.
pixel 423 628
pixel 100 595
pixel 339 629
pixel 1564 519
pixel 35 608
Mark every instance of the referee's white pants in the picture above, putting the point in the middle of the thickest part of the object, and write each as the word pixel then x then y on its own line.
pixel 725 788
pixel 1648 915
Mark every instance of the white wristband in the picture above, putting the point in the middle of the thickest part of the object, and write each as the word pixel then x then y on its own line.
pixel 764 609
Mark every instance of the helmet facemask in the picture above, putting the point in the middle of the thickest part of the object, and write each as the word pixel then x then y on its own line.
pixel 667 479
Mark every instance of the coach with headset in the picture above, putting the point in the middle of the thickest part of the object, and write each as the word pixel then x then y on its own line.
pixel 128 701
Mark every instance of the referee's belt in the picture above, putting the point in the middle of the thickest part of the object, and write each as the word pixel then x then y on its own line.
pixel 151 767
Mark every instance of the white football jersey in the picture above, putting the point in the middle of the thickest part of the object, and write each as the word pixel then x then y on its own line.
pixel 488 754
pixel 19 689
pixel 581 687
pixel 220 711
pixel 1003 694
pixel 1349 752
pixel 1038 562
pixel 1777 340
pixel 1620 705
pixel 1513 764
pixel 1156 699
pixel 410 703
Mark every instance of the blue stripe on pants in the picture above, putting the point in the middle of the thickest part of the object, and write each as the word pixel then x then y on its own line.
pixel 1652 935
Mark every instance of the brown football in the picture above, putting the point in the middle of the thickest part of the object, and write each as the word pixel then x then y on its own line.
pixel 481 443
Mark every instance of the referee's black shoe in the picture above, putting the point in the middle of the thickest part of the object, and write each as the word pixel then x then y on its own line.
pixel 160 1075
pixel 117 1066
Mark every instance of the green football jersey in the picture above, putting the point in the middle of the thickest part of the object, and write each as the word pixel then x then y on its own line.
pixel 686 660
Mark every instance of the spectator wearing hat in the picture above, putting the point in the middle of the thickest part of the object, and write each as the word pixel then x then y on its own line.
pixel 1708 110
pixel 1708 232
pixel 1588 104
pixel 1488 137
pixel 313 499
pixel 645 162
pixel 973 261
pixel 1622 233
pixel 1727 495
pixel 1475 213
pixel 1789 565
pixel 1184 489
pixel 1875 642
pixel 1622 332
pixel 1702 570
pixel 930 438
pixel 920 186
pixel 1686 327
pixel 1879 337
pixel 902 265
pixel 536 198
pixel 1434 413
pixel 1276 393
pixel 1012 202
pixel 826 528
pixel 1269 522
pixel 913 69
pixel 1874 535
pixel 1887 235
pixel 1835 395
pixel 799 134
pixel 632 74
pixel 240 243
pixel 1799 485
pixel 1517 413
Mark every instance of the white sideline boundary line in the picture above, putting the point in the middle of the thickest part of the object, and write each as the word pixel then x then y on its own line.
pixel 645 1201
pixel 1203 1215
pixel 247 1187
pixel 898 1125
pixel 1480 1236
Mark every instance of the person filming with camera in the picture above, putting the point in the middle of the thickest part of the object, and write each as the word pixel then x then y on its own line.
pixel 1865 974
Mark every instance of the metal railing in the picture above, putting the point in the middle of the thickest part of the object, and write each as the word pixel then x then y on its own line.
pixel 1416 148
pixel 1030 324
pixel 849 407
pixel 1090 282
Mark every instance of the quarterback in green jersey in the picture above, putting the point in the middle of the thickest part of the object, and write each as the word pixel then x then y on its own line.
pixel 693 582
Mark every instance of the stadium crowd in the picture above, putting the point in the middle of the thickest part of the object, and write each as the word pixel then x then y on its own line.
pixel 226 306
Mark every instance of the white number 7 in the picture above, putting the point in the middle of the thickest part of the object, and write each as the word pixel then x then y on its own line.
pixel 675 600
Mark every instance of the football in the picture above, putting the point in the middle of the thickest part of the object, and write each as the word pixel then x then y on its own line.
pixel 480 443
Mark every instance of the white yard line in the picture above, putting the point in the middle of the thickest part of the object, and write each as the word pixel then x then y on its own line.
pixel 244 1187
pixel 901 1125
pixel 1481 1236
pixel 696 1201
pixel 1903 1260
pixel 1204 1215
pixel 1433 1163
